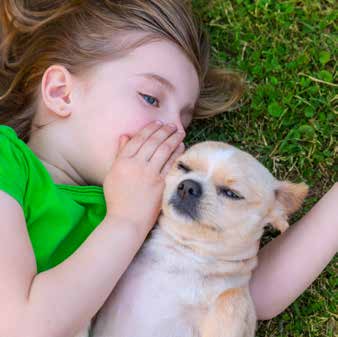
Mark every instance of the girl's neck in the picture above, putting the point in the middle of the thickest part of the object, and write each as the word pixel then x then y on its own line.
pixel 60 170
pixel 58 175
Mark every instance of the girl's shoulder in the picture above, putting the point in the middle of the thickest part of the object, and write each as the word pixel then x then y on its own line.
pixel 15 151
pixel 13 164
pixel 20 169
pixel 7 131
pixel 12 150
pixel 8 137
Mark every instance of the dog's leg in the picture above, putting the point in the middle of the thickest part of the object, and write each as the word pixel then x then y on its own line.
pixel 232 315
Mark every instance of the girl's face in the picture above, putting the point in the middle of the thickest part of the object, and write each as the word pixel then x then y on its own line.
pixel 156 81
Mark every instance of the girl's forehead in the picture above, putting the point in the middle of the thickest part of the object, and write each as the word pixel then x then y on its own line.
pixel 164 62
pixel 159 62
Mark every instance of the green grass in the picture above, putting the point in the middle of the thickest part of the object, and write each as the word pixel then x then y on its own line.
pixel 287 117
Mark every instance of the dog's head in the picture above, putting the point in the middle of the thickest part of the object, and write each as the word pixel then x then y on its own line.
pixel 217 192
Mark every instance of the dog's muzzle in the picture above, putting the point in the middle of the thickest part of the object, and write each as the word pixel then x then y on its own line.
pixel 187 197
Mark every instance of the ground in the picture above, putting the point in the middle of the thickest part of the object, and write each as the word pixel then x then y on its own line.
pixel 287 117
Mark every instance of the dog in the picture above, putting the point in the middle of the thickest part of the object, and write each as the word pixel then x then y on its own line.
pixel 191 276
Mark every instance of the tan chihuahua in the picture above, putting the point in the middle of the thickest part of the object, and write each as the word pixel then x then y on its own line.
pixel 191 276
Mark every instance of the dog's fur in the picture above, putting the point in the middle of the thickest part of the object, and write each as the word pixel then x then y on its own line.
pixel 190 278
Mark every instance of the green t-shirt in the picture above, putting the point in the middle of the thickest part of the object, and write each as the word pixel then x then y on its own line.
pixel 59 217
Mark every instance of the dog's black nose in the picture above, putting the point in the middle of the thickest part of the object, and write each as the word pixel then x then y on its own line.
pixel 187 198
pixel 189 189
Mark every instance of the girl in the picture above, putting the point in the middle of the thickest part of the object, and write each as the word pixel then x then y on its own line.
pixel 77 200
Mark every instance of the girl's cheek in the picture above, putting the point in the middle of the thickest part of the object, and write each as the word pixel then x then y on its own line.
pixel 137 122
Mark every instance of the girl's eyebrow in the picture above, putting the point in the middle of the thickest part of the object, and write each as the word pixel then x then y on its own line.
pixel 163 81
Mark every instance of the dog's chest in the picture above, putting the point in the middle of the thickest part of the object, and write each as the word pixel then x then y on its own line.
pixel 146 296
pixel 163 296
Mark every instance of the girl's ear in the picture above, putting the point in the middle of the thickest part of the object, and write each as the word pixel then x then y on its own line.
pixel 288 199
pixel 56 89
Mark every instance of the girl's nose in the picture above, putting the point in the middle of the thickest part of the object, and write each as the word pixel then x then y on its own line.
pixel 178 125
pixel 180 128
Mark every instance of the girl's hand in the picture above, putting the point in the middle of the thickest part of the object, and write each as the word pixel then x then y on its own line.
pixel 134 185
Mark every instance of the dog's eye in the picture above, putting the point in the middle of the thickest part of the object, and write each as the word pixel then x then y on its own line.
pixel 229 193
pixel 183 167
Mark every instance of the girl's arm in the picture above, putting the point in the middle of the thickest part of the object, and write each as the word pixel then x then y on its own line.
pixel 62 300
pixel 288 264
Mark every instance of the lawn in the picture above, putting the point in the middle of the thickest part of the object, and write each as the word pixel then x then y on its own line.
pixel 287 117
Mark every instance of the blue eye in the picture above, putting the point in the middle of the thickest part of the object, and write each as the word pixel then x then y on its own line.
pixel 150 99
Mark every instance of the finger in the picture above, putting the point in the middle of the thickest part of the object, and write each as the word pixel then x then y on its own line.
pixel 164 151
pixel 162 135
pixel 169 164
pixel 123 140
pixel 139 138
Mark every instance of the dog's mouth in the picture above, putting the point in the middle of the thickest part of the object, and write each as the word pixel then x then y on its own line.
pixel 184 208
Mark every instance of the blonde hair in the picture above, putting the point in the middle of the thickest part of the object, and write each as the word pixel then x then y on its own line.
pixel 78 34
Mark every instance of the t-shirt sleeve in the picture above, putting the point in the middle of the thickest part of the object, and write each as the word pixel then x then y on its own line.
pixel 13 168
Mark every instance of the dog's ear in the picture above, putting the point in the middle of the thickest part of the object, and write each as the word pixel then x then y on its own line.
pixel 288 199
